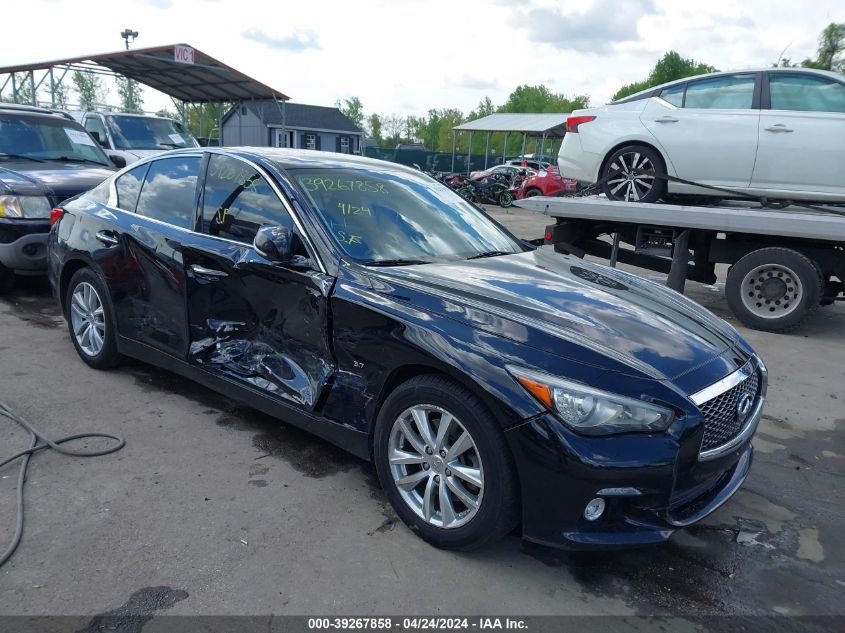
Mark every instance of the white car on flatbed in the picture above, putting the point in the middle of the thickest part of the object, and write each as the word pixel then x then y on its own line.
pixel 777 132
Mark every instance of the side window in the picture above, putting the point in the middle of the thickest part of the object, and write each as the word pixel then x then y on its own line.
pixel 674 95
pixel 732 92
pixel 806 93
pixel 129 186
pixel 238 201
pixel 310 141
pixel 169 191
pixel 93 124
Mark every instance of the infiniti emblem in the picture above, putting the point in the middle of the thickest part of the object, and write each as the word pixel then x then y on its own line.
pixel 743 407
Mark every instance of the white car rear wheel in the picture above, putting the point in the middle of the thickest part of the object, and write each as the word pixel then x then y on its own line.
pixel 630 175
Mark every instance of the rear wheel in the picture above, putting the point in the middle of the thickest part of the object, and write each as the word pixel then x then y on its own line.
pixel 90 320
pixel 7 279
pixel 629 175
pixel 444 465
pixel 773 289
pixel 533 192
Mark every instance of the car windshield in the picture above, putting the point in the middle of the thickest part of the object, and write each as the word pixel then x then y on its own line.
pixel 142 132
pixel 47 138
pixel 380 216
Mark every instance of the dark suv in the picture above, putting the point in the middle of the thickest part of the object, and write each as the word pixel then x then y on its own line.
pixel 45 158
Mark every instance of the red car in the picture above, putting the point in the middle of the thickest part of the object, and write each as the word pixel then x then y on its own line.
pixel 546 183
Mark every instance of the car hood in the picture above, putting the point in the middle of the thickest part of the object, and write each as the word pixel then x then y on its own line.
pixel 56 179
pixel 621 317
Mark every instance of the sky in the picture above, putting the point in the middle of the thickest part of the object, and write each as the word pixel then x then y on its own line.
pixel 404 57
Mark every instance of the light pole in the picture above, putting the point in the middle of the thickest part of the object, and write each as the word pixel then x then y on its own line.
pixel 127 33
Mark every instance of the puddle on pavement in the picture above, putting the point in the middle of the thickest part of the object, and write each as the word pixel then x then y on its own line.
pixel 306 453
pixel 693 573
pixel 35 308
pixel 131 616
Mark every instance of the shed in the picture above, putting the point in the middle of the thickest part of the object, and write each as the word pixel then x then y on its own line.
pixel 269 123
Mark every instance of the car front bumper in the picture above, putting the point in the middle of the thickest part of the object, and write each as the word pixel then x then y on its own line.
pixel 23 244
pixel 651 486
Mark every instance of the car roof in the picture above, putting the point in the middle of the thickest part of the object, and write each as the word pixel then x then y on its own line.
pixel 292 158
pixel 648 92
pixel 29 109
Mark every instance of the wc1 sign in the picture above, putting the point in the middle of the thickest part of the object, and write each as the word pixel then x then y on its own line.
pixel 183 54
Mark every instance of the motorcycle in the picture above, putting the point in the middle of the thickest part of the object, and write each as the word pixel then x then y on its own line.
pixel 494 189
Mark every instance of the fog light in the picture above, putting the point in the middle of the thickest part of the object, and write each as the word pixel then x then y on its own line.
pixel 594 509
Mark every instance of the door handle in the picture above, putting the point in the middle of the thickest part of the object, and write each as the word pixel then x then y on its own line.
pixel 107 237
pixel 207 273
pixel 778 127
pixel 666 119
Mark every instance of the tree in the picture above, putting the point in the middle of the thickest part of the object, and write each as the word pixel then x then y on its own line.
pixel 374 126
pixel 668 68
pixel 353 108
pixel 90 89
pixel 541 99
pixel 831 52
pixel 394 128
pixel 485 108
pixel 129 91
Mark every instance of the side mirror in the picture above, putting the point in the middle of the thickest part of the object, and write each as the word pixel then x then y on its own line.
pixel 117 160
pixel 98 137
pixel 279 244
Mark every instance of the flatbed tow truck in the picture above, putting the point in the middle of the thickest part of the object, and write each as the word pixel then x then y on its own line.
pixel 784 262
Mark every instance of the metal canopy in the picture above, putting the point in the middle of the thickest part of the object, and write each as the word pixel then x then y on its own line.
pixel 193 77
pixel 547 125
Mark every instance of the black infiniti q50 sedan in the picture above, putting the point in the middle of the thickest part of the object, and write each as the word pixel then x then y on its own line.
pixel 494 384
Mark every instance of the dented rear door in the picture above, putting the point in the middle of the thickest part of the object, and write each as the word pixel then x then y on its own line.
pixel 252 320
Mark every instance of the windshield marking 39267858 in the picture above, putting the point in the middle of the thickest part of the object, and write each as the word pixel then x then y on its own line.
pixel 390 218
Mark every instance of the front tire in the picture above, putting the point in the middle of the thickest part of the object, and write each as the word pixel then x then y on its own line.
pixel 505 199
pixel 624 178
pixel 90 320
pixel 444 465
pixel 773 289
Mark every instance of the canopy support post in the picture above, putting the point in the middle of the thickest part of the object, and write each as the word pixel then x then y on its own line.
pixel 454 135
pixel 486 150
pixel 523 146
pixel 282 113
pixel 469 153
pixel 505 149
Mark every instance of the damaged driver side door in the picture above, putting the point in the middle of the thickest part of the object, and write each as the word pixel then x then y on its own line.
pixel 254 321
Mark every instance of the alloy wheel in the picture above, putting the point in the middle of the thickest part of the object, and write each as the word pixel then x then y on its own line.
pixel 87 319
pixel 436 466
pixel 771 291
pixel 625 178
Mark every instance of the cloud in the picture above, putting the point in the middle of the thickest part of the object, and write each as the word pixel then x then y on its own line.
pixel 472 83
pixel 159 4
pixel 298 41
pixel 596 30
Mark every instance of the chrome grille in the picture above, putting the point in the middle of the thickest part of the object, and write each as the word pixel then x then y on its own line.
pixel 721 423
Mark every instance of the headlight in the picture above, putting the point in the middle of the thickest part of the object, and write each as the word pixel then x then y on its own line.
pixel 592 411
pixel 25 207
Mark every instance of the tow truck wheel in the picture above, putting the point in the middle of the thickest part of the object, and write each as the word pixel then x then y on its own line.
pixel 773 289
pixel 7 279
